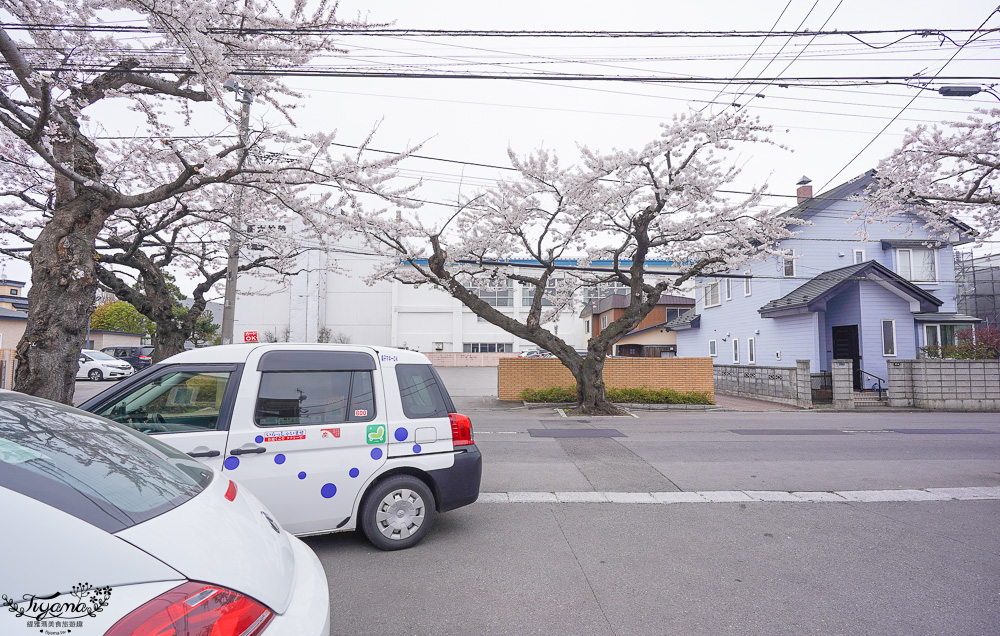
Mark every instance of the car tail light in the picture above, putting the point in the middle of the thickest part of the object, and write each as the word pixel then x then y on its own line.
pixel 461 429
pixel 145 358
pixel 196 609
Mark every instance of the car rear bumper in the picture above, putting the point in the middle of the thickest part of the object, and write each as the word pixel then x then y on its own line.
pixel 308 614
pixel 458 485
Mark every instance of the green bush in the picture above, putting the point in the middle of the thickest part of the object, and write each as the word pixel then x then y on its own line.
pixel 642 395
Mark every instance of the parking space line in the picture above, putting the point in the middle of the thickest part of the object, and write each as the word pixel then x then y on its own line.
pixel 971 493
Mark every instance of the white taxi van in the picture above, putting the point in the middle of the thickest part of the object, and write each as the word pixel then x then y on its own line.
pixel 329 437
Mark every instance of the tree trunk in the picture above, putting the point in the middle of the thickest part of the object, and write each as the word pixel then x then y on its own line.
pixel 590 389
pixel 61 299
pixel 168 340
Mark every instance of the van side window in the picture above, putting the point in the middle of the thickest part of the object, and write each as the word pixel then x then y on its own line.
pixel 419 391
pixel 293 398
pixel 178 402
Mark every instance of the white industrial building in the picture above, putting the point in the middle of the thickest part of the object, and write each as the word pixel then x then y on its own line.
pixel 331 301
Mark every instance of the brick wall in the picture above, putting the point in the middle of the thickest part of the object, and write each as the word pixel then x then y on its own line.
pixel 680 374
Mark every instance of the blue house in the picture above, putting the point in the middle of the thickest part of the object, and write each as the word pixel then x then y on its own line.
pixel 834 296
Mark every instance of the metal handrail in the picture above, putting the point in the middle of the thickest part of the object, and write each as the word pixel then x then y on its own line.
pixel 880 381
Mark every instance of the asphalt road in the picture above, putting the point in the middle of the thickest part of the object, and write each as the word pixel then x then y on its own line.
pixel 734 565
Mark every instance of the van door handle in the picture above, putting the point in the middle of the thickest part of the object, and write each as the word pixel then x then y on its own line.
pixel 210 453
pixel 244 451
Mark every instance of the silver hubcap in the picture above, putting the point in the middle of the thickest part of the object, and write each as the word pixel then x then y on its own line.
pixel 400 514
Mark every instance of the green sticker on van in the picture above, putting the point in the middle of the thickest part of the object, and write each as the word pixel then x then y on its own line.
pixel 376 433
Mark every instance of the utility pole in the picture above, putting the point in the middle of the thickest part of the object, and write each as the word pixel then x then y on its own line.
pixel 245 97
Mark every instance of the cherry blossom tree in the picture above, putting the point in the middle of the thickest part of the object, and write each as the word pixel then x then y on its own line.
pixel 96 124
pixel 941 172
pixel 661 201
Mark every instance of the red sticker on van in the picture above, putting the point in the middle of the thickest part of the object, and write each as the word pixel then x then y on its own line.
pixel 361 413
pixel 330 431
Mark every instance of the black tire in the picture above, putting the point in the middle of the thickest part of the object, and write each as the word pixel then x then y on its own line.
pixel 398 512
pixel 95 375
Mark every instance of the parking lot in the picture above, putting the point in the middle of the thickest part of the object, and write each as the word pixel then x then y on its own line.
pixel 736 522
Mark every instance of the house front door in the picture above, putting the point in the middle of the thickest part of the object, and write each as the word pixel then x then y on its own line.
pixel 846 347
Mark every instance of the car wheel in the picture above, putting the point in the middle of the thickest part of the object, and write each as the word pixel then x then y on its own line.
pixel 95 375
pixel 397 512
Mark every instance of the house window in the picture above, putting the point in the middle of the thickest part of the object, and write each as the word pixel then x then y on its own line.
pixel 859 257
pixel 918 265
pixel 586 326
pixel 889 338
pixel 487 347
pixel 712 295
pixel 729 289
pixel 736 351
pixel 746 284
pixel 671 314
pixel 493 294
pixel 13 292
pixel 604 321
pixel 789 263
pixel 751 351
pixel 713 348
pixel 942 335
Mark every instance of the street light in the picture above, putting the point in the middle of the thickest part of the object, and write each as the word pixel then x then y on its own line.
pixel 245 97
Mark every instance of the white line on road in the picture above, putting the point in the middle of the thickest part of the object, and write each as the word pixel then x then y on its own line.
pixel 745 496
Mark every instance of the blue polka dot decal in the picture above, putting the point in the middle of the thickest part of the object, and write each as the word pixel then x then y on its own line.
pixel 279 458
pixel 401 434
pixel 328 490
pixel 354 472
pixel 376 453
pixel 416 448
pixel 302 475
pixel 259 439
pixel 231 463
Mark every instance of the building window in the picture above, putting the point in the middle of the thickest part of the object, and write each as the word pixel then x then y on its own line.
pixel 746 284
pixel 13 292
pixel 889 338
pixel 586 326
pixel 528 293
pixel 751 351
pixel 788 262
pixel 487 347
pixel 604 321
pixel 712 348
pixel 712 295
pixel 729 289
pixel 602 290
pixel 859 257
pixel 736 351
pixel 672 314
pixel 493 294
pixel 917 265
pixel 942 335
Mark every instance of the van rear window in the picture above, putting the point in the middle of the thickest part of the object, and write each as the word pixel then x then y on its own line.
pixel 421 391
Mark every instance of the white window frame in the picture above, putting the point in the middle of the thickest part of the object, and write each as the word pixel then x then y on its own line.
pixel 736 350
pixel 789 259
pixel 909 254
pixel 751 351
pixel 708 295
pixel 729 288
pixel 604 321
pixel 747 289
pixel 895 346
pixel 863 257
pixel 713 348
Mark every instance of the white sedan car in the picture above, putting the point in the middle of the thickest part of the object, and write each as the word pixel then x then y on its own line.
pixel 115 533
pixel 98 365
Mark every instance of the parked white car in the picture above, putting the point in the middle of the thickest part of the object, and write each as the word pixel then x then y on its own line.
pixel 98 366
pixel 117 534
pixel 330 437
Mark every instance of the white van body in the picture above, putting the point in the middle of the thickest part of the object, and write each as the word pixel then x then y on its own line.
pixel 311 429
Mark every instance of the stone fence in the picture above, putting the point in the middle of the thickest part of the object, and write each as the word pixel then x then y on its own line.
pixel 967 385
pixel 6 368
pixel 679 374
pixel 787 385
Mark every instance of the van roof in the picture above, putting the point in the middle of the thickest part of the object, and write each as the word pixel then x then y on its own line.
pixel 238 353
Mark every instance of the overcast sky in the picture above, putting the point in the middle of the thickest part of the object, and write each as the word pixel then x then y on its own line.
pixel 474 121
